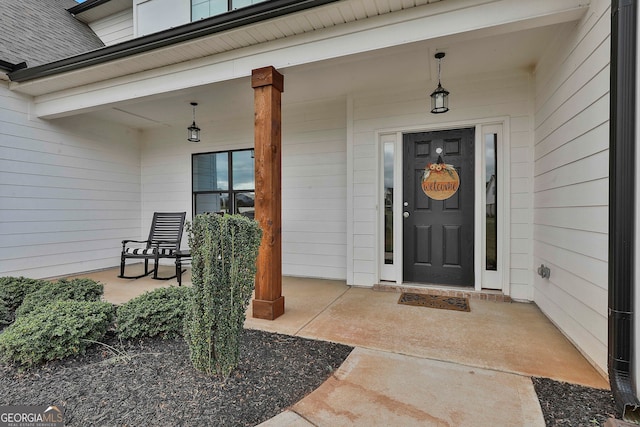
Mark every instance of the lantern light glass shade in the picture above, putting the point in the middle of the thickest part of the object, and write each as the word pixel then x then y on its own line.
pixel 440 96
pixel 439 100
pixel 193 131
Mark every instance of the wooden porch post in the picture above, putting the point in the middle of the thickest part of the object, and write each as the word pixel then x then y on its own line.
pixel 268 84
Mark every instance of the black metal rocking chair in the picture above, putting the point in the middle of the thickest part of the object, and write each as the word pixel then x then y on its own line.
pixel 163 242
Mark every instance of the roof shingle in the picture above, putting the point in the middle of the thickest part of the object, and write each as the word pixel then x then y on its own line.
pixel 42 31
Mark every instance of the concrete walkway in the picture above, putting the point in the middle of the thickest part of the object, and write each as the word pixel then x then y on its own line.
pixel 413 365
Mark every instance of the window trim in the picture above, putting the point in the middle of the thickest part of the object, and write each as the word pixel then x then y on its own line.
pixel 393 272
pixel 230 191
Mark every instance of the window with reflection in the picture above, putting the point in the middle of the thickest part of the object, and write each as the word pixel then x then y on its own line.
pixel 491 200
pixel 388 202
pixel 224 182
pixel 201 9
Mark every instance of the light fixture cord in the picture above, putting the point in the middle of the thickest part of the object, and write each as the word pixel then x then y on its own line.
pixel 439 59
pixel 194 113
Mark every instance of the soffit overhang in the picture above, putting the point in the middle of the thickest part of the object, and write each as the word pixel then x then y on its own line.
pixel 244 27
pixel 333 30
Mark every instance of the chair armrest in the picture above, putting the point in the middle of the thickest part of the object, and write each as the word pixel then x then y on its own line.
pixel 124 242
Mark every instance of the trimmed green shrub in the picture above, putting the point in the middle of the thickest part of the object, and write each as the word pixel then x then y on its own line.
pixel 55 331
pixel 5 314
pixel 224 250
pixel 76 289
pixel 158 312
pixel 13 290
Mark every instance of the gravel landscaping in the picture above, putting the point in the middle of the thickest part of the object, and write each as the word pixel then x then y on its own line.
pixel 570 405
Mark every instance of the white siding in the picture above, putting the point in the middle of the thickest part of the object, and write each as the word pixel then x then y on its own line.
pixel 69 192
pixel 475 98
pixel 166 162
pixel 571 182
pixel 314 190
pixel 313 180
pixel 115 28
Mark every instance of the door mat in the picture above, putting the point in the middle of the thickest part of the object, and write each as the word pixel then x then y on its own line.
pixel 435 301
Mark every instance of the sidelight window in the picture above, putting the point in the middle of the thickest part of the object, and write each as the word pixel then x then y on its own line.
pixel 491 200
pixel 388 202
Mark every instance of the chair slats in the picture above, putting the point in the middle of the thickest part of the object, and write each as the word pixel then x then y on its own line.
pixel 164 240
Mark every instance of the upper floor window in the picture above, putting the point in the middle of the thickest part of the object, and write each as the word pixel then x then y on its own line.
pixel 205 8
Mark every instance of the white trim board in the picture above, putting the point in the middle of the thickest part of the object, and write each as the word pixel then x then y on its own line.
pixel 500 125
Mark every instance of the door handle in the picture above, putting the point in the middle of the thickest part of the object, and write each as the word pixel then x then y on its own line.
pixel 405 214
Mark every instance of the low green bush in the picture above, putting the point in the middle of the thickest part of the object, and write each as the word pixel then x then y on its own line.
pixel 76 289
pixel 13 290
pixel 158 312
pixel 54 331
pixel 5 314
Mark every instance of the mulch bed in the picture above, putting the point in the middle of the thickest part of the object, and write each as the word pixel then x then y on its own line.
pixel 571 405
pixel 151 382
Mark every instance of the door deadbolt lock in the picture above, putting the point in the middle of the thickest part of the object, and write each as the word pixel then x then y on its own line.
pixel 406 204
pixel 405 214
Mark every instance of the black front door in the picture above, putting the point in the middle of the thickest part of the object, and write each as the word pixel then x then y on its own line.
pixel 438 234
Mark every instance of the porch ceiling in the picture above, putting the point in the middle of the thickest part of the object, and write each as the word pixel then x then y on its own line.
pixel 213 42
pixel 381 69
pixel 326 58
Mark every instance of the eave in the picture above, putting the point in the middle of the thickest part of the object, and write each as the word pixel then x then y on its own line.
pixel 10 67
pixel 205 27
pixel 336 29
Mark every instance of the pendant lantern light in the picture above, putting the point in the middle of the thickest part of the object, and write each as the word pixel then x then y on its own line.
pixel 440 96
pixel 193 134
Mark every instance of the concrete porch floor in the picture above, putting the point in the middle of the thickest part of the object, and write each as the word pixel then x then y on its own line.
pixel 411 365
